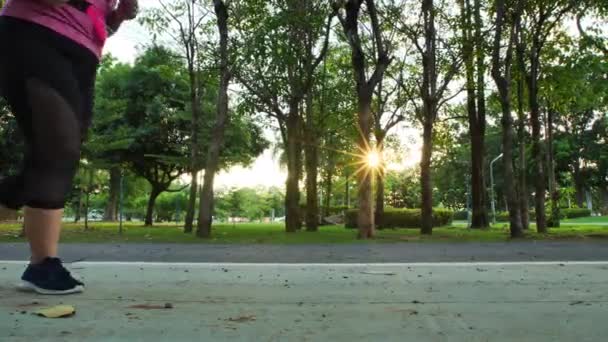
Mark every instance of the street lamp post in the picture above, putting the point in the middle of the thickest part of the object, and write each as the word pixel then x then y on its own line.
pixel 492 187
pixel 122 190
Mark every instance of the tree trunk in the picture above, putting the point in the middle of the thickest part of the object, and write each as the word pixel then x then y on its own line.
pixel 478 187
pixel 207 200
pixel 365 90
pixel 300 166
pixel 87 201
pixel 365 220
pixel 190 210
pixel 523 177
pixel 194 143
pixel 312 164
pixel 347 191
pixel 429 94
pixel 509 176
pixel 328 190
pixel 206 204
pixel 579 185
pixel 472 49
pixel 521 131
pixel 504 84
pixel 79 206
pixel 479 197
pixel 553 186
pixel 151 203
pixel 426 181
pixel 604 196
pixel 380 185
pixel 293 220
pixel 538 150
pixel 111 212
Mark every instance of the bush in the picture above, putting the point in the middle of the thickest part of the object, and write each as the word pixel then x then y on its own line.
pixel 575 213
pixel 403 218
pixel 461 215
pixel 565 213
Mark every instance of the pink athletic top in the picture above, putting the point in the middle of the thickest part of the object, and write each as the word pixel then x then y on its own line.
pixel 64 19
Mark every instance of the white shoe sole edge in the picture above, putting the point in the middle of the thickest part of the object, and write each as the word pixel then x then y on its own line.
pixel 26 286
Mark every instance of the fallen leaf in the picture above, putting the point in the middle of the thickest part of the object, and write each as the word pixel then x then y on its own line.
pixel 58 311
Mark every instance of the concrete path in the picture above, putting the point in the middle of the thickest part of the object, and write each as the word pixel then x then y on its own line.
pixel 331 302
pixel 348 253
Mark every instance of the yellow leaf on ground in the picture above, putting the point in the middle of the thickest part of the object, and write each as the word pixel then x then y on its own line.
pixel 58 311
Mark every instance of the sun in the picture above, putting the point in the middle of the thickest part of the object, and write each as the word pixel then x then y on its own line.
pixel 373 160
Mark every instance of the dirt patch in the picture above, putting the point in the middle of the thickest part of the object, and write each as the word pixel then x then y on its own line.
pixel 598 236
pixel 165 306
pixel 30 305
pixel 409 312
pixel 242 319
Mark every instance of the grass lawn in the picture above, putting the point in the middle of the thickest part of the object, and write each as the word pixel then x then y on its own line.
pixel 275 234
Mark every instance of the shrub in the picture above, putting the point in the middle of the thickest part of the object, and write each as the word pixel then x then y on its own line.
pixel 461 215
pixel 404 218
pixel 575 213
pixel 565 213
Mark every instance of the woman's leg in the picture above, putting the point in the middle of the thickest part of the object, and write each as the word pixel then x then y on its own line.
pixel 54 156
pixel 42 229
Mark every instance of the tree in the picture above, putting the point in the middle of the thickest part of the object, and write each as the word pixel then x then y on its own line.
pixel 474 55
pixel 389 112
pixel 235 204
pixel 277 68
pixel 183 21
pixel 502 74
pixel 574 91
pixel 522 179
pixel 544 16
pixel 157 90
pixel 217 139
pixel 350 19
pixel 328 133
pixel 440 64
pixel 106 135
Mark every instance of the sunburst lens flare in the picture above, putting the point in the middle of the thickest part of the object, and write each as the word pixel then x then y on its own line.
pixel 373 159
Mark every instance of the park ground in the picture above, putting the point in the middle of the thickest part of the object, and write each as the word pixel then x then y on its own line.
pixel 348 302
pixel 591 228
pixel 257 283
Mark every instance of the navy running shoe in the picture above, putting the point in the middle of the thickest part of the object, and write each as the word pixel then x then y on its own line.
pixel 50 278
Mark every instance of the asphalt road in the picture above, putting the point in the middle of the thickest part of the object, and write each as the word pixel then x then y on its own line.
pixel 352 253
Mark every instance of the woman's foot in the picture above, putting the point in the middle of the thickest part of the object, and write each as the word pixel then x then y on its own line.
pixel 50 278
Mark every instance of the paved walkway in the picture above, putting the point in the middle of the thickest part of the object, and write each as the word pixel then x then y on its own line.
pixel 332 302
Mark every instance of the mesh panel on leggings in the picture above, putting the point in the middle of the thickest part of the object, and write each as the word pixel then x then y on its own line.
pixel 54 147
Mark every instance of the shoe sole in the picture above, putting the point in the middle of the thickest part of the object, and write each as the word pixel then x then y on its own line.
pixel 26 286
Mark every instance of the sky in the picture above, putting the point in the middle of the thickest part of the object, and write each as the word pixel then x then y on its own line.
pixel 266 170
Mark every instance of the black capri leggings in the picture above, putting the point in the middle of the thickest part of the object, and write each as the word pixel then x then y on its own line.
pixel 48 81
